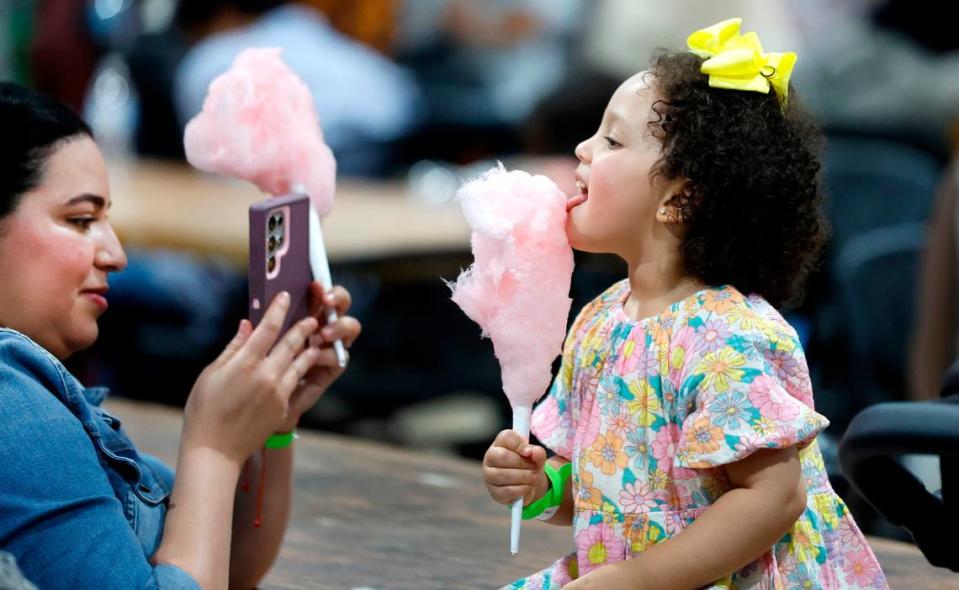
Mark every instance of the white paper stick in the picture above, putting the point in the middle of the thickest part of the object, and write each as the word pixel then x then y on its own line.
pixel 520 425
pixel 320 265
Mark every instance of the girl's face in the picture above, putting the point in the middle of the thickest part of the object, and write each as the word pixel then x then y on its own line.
pixel 619 205
pixel 56 250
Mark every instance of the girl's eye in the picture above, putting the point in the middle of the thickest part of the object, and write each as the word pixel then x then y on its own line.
pixel 611 143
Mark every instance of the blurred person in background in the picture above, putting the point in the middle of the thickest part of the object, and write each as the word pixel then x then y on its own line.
pixel 934 343
pixel 364 101
pixel 482 67
pixel 884 68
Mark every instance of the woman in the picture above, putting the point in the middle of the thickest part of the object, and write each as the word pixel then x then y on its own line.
pixel 79 506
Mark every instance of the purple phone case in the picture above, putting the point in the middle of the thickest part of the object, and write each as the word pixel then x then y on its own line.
pixel 292 270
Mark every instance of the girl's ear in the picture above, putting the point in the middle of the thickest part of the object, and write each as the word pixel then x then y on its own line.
pixel 676 206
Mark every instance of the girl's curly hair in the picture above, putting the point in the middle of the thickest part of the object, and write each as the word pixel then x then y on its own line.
pixel 752 203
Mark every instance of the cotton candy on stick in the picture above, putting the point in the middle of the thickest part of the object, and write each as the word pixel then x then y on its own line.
pixel 517 289
pixel 258 123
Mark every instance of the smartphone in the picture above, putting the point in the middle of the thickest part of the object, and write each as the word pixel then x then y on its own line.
pixel 280 256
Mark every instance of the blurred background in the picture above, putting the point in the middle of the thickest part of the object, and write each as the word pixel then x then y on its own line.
pixel 414 96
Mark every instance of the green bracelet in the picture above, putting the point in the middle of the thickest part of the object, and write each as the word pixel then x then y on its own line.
pixel 553 496
pixel 281 441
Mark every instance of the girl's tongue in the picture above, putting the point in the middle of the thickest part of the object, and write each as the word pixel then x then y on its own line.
pixel 578 199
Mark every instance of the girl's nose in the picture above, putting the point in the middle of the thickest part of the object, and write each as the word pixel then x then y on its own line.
pixel 583 153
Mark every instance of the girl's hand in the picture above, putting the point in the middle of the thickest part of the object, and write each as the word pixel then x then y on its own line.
pixel 345 328
pixel 513 468
pixel 244 395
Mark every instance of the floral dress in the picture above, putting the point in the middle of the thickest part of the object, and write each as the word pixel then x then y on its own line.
pixel 649 411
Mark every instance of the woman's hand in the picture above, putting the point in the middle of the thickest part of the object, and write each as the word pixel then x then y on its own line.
pixel 326 371
pixel 244 395
pixel 513 468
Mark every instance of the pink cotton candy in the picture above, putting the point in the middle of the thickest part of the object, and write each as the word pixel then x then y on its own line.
pixel 258 123
pixel 517 289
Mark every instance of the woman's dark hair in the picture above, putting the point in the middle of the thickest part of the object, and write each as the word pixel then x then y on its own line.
pixel 753 201
pixel 33 125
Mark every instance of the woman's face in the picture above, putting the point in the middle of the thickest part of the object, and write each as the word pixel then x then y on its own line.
pixel 56 250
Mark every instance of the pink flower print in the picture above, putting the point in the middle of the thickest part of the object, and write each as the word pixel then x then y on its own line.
pixel 675 497
pixel 849 534
pixel 598 545
pixel 683 345
pixel 637 497
pixel 767 396
pixel 784 363
pixel 588 432
pixel 585 385
pixel 666 443
pixel 800 387
pixel 545 418
pixel 860 567
pixel 674 522
pixel 665 448
pixel 713 335
pixel 648 364
pixel 621 423
pixel 632 351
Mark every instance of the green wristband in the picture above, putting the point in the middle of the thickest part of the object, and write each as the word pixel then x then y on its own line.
pixel 281 441
pixel 553 496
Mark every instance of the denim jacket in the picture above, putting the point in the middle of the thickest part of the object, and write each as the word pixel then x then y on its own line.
pixel 79 506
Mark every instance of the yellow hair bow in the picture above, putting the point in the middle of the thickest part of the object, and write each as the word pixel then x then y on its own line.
pixel 737 62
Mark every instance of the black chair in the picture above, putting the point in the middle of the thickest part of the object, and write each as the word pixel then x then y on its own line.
pixel 875 275
pixel 873 183
pixel 868 456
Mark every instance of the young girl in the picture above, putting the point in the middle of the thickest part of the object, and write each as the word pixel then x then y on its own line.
pixel 683 404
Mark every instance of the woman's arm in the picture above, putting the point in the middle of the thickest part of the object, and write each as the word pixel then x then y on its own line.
pixel 254 549
pixel 236 403
pixel 768 497
pixel 934 338
pixel 58 512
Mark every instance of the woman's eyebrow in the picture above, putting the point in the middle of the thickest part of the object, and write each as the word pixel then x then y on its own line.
pixel 97 201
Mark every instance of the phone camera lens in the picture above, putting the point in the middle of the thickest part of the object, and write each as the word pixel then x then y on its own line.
pixel 272 223
pixel 271 264
pixel 272 243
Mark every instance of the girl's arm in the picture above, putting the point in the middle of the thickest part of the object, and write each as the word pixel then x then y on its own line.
pixel 768 497
pixel 564 515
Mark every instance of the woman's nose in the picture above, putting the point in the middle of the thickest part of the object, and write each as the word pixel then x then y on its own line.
pixel 110 255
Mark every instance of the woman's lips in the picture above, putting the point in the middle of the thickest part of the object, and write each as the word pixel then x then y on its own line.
pixel 97 297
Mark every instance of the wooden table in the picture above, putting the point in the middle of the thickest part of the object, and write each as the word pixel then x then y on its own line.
pixel 373 517
pixel 164 205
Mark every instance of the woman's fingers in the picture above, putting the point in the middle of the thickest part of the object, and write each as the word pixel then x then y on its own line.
pixel 298 369
pixel 337 298
pixel 264 336
pixel 291 344
pixel 345 328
